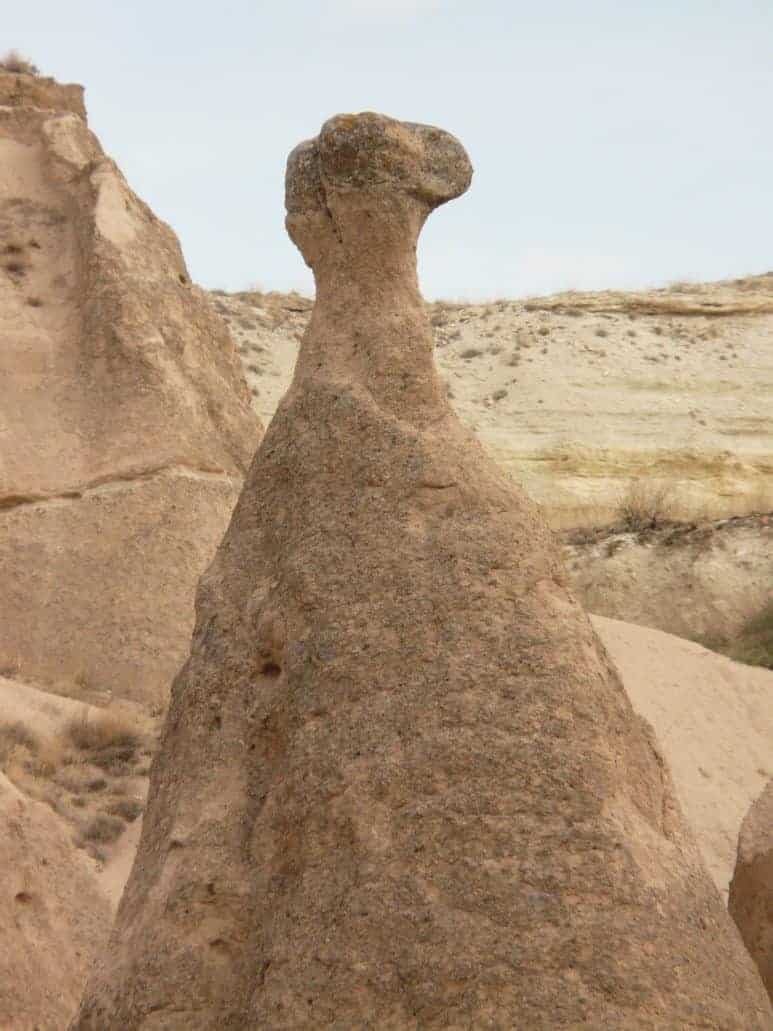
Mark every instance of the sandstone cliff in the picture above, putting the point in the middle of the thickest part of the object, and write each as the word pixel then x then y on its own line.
pixel 125 426
pixel 400 784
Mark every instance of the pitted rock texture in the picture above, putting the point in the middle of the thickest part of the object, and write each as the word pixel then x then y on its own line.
pixel 751 890
pixel 124 418
pixel 400 785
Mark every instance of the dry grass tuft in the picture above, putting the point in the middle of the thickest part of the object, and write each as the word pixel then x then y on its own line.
pixel 107 730
pixel 127 809
pixel 13 61
pixel 645 505
pixel 103 829
pixel 16 735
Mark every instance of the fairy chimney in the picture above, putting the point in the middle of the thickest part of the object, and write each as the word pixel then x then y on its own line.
pixel 400 784
pixel 125 423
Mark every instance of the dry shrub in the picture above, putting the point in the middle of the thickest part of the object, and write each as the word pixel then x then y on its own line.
pixel 14 62
pixel 109 739
pixel 13 736
pixel 645 505
pixel 103 829
pixel 127 809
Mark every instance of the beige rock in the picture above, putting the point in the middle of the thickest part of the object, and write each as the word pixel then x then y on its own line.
pixel 751 890
pixel 400 785
pixel 124 421
pixel 53 916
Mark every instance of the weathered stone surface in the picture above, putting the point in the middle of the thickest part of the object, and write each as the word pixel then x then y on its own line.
pixel 53 916
pixel 751 890
pixel 400 785
pixel 125 426
pixel 18 90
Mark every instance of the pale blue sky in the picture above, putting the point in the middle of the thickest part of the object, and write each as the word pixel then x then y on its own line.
pixel 614 144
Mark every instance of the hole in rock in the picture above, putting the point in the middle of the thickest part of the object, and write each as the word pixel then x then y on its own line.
pixel 270 669
pixel 24 897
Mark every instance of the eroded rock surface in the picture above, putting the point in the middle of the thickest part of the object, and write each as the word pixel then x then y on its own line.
pixel 400 785
pixel 751 890
pixel 125 426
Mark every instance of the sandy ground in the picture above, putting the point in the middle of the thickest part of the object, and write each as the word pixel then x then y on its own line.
pixel 714 720
pixel 578 393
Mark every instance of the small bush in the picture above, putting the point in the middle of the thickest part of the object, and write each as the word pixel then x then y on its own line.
pixel 105 731
pixel 645 505
pixel 127 809
pixel 15 735
pixel 471 352
pixel 103 829
pixel 14 62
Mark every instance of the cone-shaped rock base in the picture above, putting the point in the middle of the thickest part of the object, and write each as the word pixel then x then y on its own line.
pixel 400 785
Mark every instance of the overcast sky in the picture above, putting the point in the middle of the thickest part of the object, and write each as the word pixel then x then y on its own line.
pixel 614 143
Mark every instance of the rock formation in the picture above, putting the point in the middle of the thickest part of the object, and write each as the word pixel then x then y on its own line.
pixel 751 890
pixel 125 426
pixel 53 917
pixel 400 785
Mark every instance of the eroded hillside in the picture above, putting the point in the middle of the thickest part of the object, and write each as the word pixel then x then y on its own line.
pixel 577 394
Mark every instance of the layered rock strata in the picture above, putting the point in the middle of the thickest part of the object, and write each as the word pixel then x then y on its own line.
pixel 400 785
pixel 125 426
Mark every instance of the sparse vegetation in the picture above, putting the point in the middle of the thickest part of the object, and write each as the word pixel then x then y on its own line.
pixel 645 505
pixel 127 809
pixel 15 735
pixel 14 62
pixel 108 730
pixel 103 829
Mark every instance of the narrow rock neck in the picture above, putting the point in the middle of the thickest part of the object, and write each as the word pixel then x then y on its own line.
pixel 369 325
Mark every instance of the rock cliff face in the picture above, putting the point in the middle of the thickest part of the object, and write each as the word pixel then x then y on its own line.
pixel 124 420
pixel 400 785
pixel 751 890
